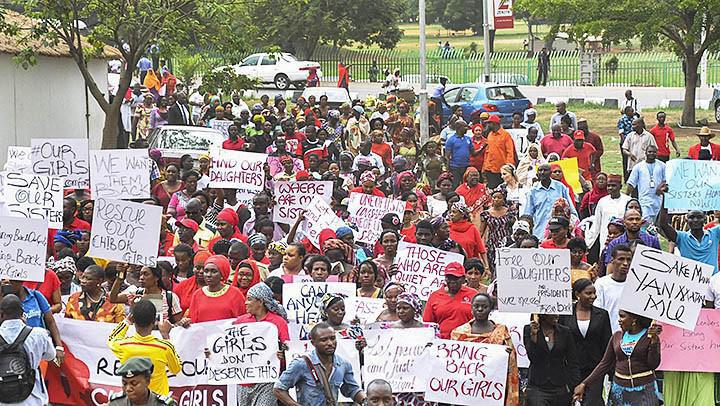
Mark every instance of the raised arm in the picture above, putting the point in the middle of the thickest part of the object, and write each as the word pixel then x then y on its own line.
pixel 663 223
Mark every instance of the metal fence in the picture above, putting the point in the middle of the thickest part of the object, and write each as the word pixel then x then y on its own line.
pixel 460 66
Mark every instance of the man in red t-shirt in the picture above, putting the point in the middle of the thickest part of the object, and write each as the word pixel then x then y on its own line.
pixel 664 134
pixel 557 142
pixel 584 152
pixel 451 305
pixel 235 142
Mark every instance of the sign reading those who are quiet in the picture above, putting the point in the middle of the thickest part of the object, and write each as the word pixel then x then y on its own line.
pixel 291 198
pixel 665 287
pixel 367 210
pixel 125 232
pixel 63 157
pixel 693 184
pixel 421 269
pixel 120 173
pixel 534 281
pixel 34 196
pixel 23 243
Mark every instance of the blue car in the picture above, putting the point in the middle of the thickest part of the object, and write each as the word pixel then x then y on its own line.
pixel 494 98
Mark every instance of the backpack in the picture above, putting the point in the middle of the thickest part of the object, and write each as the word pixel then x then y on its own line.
pixel 17 376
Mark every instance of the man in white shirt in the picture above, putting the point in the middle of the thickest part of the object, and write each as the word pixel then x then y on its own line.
pixel 368 158
pixel 630 101
pixel 561 110
pixel 238 105
pixel 612 205
pixel 609 288
pixel 196 101
pixel 530 116
pixel 37 345
pixel 636 143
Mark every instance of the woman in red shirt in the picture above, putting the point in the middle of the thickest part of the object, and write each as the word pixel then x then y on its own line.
pixel 465 233
pixel 216 300
pixel 367 185
pixel 187 288
pixel 381 148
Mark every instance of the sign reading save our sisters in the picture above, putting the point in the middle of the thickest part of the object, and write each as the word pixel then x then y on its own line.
pixel 366 212
pixel 421 269
pixel 244 354
pixel 292 198
pixel 534 281
pixel 34 196
pixel 120 174
pixel 23 243
pixel 692 351
pixel 665 287
pixel 693 184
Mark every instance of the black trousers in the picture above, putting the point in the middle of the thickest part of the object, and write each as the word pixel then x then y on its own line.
pixel 542 77
pixel 544 397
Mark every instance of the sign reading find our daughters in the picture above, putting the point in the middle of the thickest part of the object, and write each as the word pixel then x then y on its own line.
pixel 23 243
pixel 421 269
pixel 294 197
pixel 665 287
pixel 244 354
pixel 63 157
pixel 125 231
pixel 693 184
pixel 534 281
pixel 120 173
pixel 34 196
pixel 367 210
pixel 237 170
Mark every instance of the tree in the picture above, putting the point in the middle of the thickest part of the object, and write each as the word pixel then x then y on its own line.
pixel 460 15
pixel 298 26
pixel 131 26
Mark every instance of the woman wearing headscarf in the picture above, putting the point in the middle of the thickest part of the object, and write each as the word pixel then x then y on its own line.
pixel 332 311
pixel 556 173
pixel 430 166
pixel 527 166
pixel 275 253
pixel 227 227
pixel 406 183
pixel 65 239
pixel 391 291
pixel 479 145
pixel 247 276
pixel 164 190
pixel 437 204
pixel 368 185
pixel 346 235
pixel 473 191
pixel 591 199
pixel 152 288
pixel 465 233
pixel 185 289
pixel 261 306
pixel 389 240
pixel 216 300
pixel 482 330
pixel 561 208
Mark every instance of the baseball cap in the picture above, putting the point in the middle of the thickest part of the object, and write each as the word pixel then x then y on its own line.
pixel 484 115
pixel 189 223
pixel 454 269
pixel 558 222
pixel 494 119
pixel 579 135
pixel 391 218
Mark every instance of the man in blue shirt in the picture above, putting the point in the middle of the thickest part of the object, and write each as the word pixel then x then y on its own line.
pixel 542 196
pixel 647 178
pixel 632 221
pixel 458 150
pixel 697 244
pixel 308 374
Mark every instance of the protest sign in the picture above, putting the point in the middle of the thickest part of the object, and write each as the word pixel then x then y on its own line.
pixel 693 184
pixel 366 212
pixel 221 126
pixel 421 269
pixel 244 354
pixel 90 360
pixel 62 157
pixel 319 216
pixel 391 354
pixel 465 373
pixel 237 170
pixel 692 351
pixel 534 281
pixel 291 198
pixel 125 232
pixel 34 196
pixel 120 173
pixel 302 301
pixel 665 287
pixel 18 159
pixel 515 322
pixel 23 243
pixel 365 309
pixel 571 173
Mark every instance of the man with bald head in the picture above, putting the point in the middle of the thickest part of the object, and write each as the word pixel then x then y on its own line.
pixel 379 393
pixel 194 211
pixel 542 196
pixel 632 220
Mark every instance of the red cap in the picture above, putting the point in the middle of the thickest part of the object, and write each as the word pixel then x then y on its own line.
pixel 494 119
pixel 454 269
pixel 409 206
pixel 579 135
pixel 302 175
pixel 189 223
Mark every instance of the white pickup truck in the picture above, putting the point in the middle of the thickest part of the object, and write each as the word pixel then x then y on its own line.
pixel 281 69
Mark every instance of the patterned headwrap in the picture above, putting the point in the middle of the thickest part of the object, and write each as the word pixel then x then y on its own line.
pixel 328 300
pixel 66 237
pixel 563 205
pixel 347 154
pixel 391 285
pixel 367 176
pixel 406 174
pixel 278 246
pixel 257 238
pixel 617 222
pixel 263 293
pixel 413 300
pixel 334 243
pixel 436 221
pixel 445 176
pixel 200 257
pixel 66 264
pixel 343 231
pixel 462 208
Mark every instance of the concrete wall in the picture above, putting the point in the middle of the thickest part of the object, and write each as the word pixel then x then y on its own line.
pixel 47 101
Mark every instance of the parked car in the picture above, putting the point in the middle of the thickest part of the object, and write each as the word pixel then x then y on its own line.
pixel 282 69
pixel 715 103
pixel 495 98
pixel 174 141
pixel 336 95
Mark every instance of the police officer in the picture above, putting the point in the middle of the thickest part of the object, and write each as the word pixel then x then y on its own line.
pixel 135 373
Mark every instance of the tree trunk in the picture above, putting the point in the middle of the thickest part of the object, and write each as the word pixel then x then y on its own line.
pixel 691 76
pixel 110 129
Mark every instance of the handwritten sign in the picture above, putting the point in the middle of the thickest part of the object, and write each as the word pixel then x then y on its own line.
pixel 421 269
pixel 34 196
pixel 291 198
pixel 238 170
pixel 319 216
pixel 391 354
pixel 365 309
pixel 464 373
pixel 692 351
pixel 515 322
pixel 534 281
pixel 665 287
pixel 303 300
pixel 18 159
pixel 693 185
pixel 366 212
pixel 23 243
pixel 221 126
pixel 62 157
pixel 244 354
pixel 120 173
pixel 125 231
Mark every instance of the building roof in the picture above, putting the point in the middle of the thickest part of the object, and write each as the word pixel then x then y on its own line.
pixel 11 45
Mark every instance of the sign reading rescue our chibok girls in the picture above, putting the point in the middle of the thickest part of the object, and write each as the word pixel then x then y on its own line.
pixel 34 196
pixel 120 174
pixel 125 232
pixel 693 184
pixel 534 281
pixel 23 243
pixel 63 157
pixel 367 210
pixel 421 269
pixel 292 198
pixel 665 287
pixel 244 354
pixel 465 373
